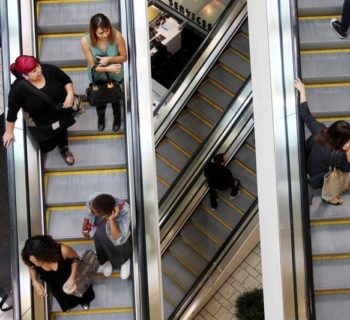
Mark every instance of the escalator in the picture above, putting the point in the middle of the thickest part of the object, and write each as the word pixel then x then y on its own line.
pixel 206 231
pixel 324 66
pixel 100 158
pixel 202 112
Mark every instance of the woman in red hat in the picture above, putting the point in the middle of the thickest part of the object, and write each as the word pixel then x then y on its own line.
pixel 44 120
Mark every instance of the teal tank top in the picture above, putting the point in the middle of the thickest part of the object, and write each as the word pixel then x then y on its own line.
pixel 111 50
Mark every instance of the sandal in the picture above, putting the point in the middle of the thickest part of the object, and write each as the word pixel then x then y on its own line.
pixel 67 156
pixel 334 202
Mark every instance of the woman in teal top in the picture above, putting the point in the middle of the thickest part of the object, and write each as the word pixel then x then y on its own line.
pixel 104 48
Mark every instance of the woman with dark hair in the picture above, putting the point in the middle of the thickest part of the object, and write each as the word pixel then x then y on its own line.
pixel 107 220
pixel 105 51
pixel 54 83
pixel 220 178
pixel 55 264
pixel 327 146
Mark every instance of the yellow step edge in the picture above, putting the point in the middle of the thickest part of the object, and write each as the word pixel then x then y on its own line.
pixel 92 311
pixel 219 219
pixel 163 182
pixel 244 57
pixel 232 72
pixel 74 69
pixel 200 117
pixel 210 102
pixel 250 147
pixel 221 87
pixel 178 283
pixel 330 222
pixel 174 304
pixel 80 172
pixel 176 146
pixel 205 232
pixel 194 272
pixel 65 208
pixel 77 242
pixel 168 162
pixel 244 166
pixel 231 204
pixel 190 244
pixel 247 192
pixel 335 256
pixel 302 18
pixel 333 119
pixel 244 34
pixel 188 132
pixel 325 51
pixel 60 35
pixel 327 85
pixel 114 275
pixel 326 292
pixel 97 137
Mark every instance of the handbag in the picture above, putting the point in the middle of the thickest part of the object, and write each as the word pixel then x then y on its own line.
pixel 102 92
pixel 46 132
pixel 88 265
pixel 334 182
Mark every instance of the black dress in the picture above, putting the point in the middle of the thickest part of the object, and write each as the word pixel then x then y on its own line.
pixel 55 281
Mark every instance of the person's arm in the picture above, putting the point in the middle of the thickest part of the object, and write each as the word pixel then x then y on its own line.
pixel 90 59
pixel 85 230
pixel 122 55
pixel 304 112
pixel 68 102
pixel 37 285
pixel 112 220
pixel 8 136
pixel 69 254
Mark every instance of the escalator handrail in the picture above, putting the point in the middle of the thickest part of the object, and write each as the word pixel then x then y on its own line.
pixel 303 175
pixel 176 193
pixel 195 56
pixel 215 261
pixel 3 301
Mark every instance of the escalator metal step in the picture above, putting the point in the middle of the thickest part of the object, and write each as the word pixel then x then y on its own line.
pixel 90 152
pixel 193 124
pixel 162 189
pixel 119 314
pixel 176 293
pixel 62 50
pixel 325 67
pixel 318 34
pixel 177 271
pixel 226 79
pixel 248 180
pixel 321 211
pixel 331 274
pixel 74 15
pixel 240 43
pixel 318 8
pixel 236 63
pixel 247 156
pixel 333 306
pixel 168 308
pixel 173 153
pixel 215 94
pixel 181 138
pixel 79 77
pixel 207 110
pixel 73 188
pixel 251 139
pixel 165 170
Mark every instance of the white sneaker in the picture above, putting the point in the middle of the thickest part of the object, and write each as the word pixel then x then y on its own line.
pixel 125 270
pixel 236 196
pixel 105 268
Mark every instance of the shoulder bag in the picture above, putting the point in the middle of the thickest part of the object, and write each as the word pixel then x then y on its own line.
pixel 46 132
pixel 102 92
pixel 88 265
pixel 334 182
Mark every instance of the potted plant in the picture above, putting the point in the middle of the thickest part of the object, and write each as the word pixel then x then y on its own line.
pixel 250 305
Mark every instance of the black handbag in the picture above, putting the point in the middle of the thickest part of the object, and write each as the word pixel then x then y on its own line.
pixel 46 132
pixel 100 93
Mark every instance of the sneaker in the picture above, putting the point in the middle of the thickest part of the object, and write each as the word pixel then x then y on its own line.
pixel 106 269
pixel 336 26
pixel 125 270
pixel 86 306
pixel 236 195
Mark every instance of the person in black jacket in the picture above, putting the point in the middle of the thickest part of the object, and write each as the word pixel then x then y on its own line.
pixel 325 145
pixel 56 85
pixel 341 26
pixel 220 178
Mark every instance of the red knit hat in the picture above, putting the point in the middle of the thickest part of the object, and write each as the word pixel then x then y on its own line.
pixel 23 65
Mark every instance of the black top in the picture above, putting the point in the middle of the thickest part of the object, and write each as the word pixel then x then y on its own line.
pixel 319 157
pixel 38 109
pixel 218 176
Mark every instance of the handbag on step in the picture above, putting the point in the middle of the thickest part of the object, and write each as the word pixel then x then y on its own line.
pixel 102 92
pixel 88 265
pixel 334 182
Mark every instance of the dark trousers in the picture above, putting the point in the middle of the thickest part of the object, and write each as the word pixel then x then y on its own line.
pixel 234 185
pixel 345 18
pixel 101 110
pixel 61 140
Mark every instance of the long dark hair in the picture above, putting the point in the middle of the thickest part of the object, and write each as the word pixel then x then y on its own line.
pixel 336 136
pixel 103 204
pixel 99 20
pixel 42 248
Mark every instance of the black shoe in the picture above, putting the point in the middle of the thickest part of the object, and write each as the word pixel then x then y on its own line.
pixel 101 123
pixel 116 125
pixel 336 26
pixel 86 306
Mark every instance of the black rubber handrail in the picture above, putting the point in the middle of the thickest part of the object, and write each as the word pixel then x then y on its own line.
pixel 3 301
pixel 194 57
